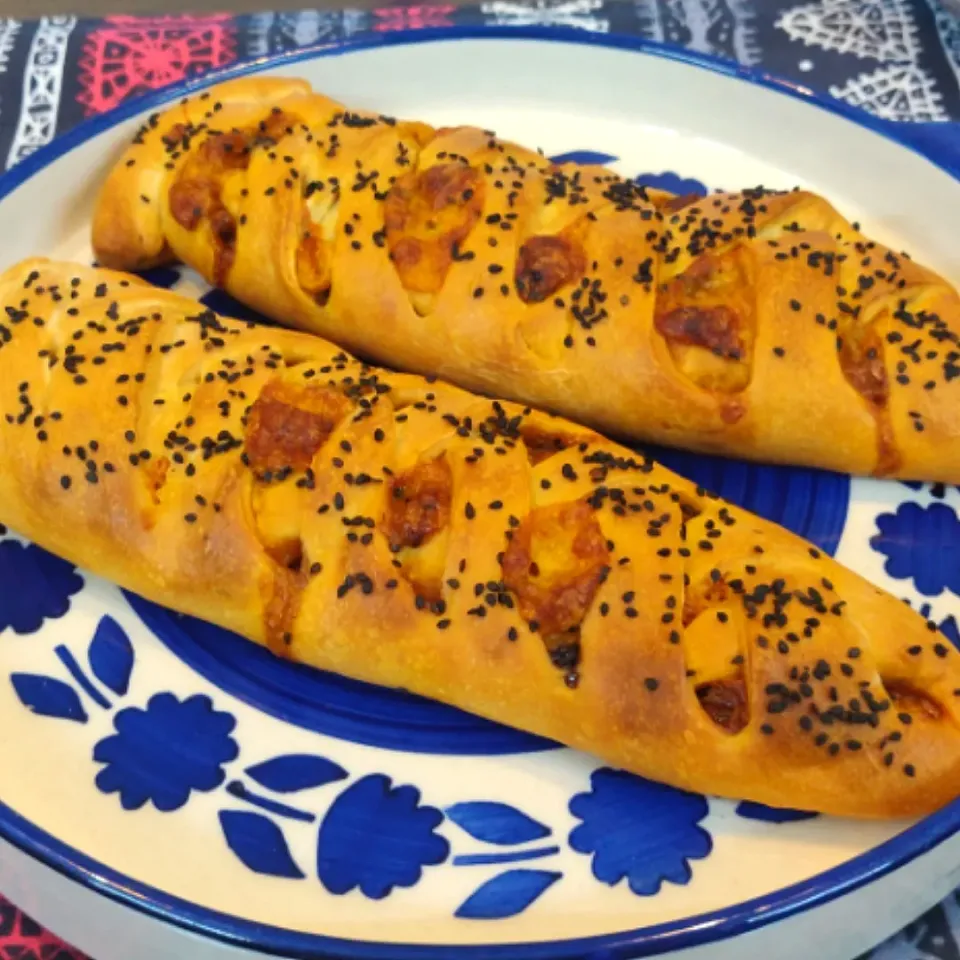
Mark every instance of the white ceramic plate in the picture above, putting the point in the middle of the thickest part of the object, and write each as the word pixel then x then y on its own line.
pixel 168 790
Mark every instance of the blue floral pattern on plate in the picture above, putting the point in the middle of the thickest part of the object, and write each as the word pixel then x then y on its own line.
pixel 376 837
pixel 673 183
pixel 166 751
pixel 36 586
pixel 922 544
pixel 646 849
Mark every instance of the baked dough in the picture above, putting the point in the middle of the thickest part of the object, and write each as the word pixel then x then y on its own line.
pixel 760 325
pixel 407 533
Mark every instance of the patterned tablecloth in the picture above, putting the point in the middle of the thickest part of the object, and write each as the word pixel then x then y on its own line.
pixel 899 59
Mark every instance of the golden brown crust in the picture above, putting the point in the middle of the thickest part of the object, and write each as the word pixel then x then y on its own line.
pixel 414 540
pixel 757 324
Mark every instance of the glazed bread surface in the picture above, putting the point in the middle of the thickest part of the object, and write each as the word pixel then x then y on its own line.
pixel 755 324
pixel 407 533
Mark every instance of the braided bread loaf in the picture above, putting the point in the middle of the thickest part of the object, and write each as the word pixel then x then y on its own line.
pixel 758 325
pixel 407 533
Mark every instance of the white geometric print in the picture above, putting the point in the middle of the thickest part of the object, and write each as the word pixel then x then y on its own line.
pixel 565 13
pixel 878 29
pixel 308 27
pixel 276 32
pixel 42 84
pixel 948 27
pixel 9 29
pixel 723 28
pixel 907 945
pixel 898 92
pixel 258 34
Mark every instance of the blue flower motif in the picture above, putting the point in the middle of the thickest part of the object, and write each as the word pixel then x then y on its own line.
pixel 672 183
pixel 922 543
pixel 377 837
pixel 644 831
pixel 34 586
pixel 166 751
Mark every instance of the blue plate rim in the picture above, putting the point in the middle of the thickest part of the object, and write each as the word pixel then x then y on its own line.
pixel 688 932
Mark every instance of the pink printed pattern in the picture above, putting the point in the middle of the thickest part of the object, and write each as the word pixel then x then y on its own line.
pixel 126 56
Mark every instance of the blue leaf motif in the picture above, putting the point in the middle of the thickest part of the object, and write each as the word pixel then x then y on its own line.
pixel 922 543
pixel 496 823
pixel 672 183
pixel 376 837
pixel 111 656
pixel 296 771
pixel 640 830
pixel 507 894
pixel 759 811
pixel 583 157
pixel 34 586
pixel 48 697
pixel 259 844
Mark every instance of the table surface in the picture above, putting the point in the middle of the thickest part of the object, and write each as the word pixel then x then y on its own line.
pixel 899 59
